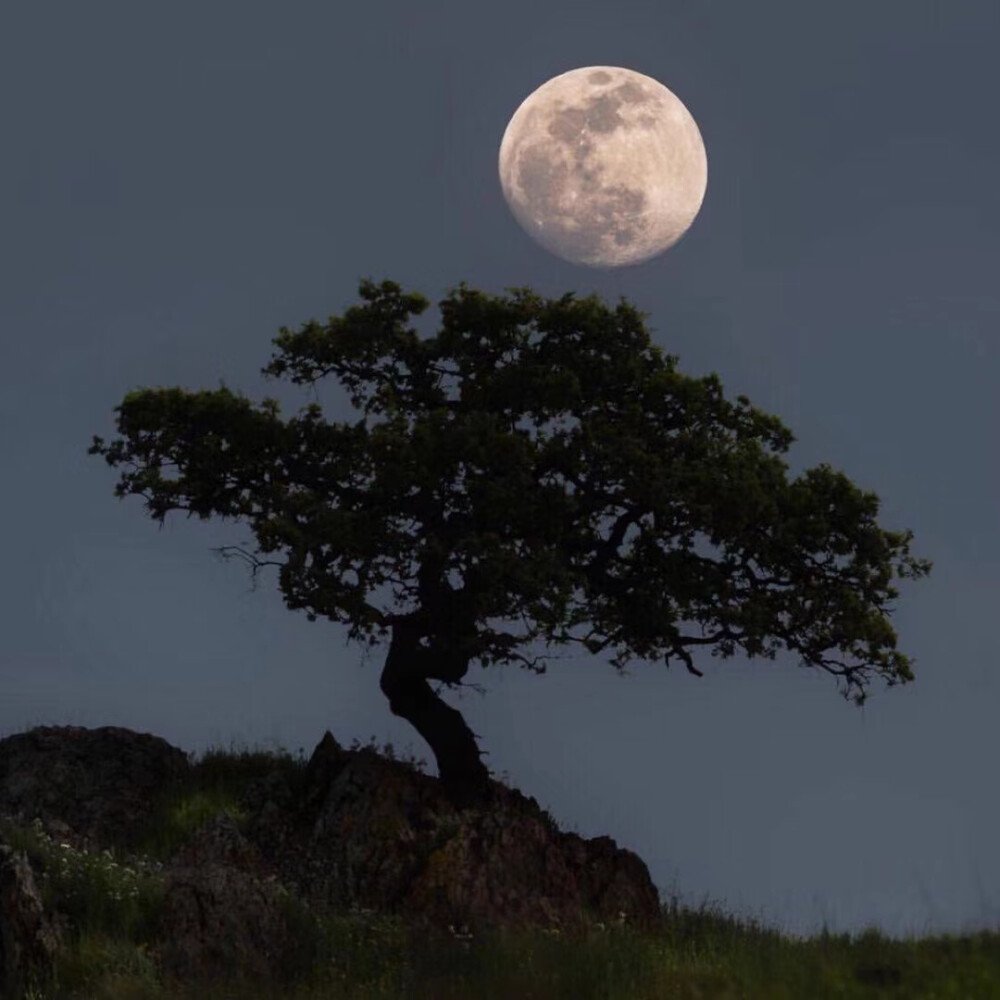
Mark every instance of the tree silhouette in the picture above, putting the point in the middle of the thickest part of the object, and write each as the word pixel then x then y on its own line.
pixel 446 487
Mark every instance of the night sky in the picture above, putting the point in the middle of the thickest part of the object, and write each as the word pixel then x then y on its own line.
pixel 180 180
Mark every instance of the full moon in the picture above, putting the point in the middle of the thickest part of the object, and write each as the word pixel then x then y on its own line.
pixel 603 166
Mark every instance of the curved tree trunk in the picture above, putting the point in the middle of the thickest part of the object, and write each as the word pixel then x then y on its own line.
pixel 404 679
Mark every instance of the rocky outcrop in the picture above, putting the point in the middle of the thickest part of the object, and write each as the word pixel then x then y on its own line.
pixel 102 784
pixel 355 830
pixel 218 922
pixel 387 838
pixel 29 941
pixel 222 923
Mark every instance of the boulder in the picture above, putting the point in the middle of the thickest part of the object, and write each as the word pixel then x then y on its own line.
pixel 514 869
pixel 218 841
pixel 100 784
pixel 376 834
pixel 222 924
pixel 354 830
pixel 29 941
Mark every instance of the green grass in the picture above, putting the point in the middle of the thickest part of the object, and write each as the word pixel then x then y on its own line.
pixel 112 901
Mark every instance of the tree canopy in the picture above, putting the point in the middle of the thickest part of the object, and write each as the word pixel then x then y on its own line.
pixel 449 482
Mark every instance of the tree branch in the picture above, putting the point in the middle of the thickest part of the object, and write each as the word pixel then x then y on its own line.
pixel 249 557
pixel 607 549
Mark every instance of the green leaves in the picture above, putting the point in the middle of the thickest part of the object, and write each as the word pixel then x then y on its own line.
pixel 546 461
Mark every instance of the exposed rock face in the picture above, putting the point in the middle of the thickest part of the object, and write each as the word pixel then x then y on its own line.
pixel 356 830
pixel 388 838
pixel 28 940
pixel 221 923
pixel 100 783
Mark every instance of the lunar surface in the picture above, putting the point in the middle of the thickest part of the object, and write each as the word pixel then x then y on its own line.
pixel 603 166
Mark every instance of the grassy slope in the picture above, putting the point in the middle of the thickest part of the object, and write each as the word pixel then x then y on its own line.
pixel 113 901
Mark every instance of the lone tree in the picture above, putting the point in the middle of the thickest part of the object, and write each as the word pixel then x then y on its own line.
pixel 452 487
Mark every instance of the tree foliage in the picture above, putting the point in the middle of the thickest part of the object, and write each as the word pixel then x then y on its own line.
pixel 506 446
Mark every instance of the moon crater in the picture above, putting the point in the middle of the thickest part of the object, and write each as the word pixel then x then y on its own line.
pixel 603 166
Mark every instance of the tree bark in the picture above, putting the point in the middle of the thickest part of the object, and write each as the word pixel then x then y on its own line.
pixel 408 666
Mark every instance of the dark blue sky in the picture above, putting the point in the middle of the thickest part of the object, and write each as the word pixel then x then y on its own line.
pixel 180 180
